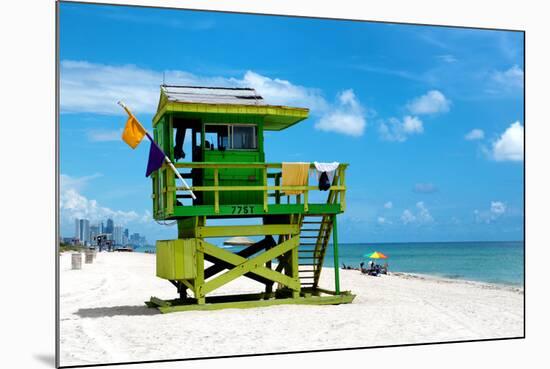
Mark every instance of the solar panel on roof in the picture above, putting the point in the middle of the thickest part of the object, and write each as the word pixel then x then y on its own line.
pixel 213 95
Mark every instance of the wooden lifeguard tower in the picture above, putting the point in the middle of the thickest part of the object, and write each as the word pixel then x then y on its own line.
pixel 230 179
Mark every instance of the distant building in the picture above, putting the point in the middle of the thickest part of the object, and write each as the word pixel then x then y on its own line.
pixel 125 237
pixel 135 239
pixel 94 231
pixel 118 232
pixel 85 231
pixel 68 240
pixel 82 231
pixel 76 228
pixel 110 226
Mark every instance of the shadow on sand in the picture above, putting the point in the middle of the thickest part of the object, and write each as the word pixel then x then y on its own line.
pixel 127 310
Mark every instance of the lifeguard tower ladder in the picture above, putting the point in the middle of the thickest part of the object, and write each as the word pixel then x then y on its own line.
pixel 230 178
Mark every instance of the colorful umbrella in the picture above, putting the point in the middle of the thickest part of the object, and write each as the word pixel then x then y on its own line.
pixel 376 255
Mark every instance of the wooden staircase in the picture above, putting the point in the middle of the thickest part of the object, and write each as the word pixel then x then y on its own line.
pixel 315 232
pixel 314 238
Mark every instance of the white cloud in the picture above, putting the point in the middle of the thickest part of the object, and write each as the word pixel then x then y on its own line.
pixel 511 78
pixel 104 135
pixel 509 146
pixel 399 130
pixel 432 102
pixel 281 92
pixel 388 205
pixel 475 134
pixel 412 125
pixel 422 215
pixel 346 117
pixel 96 88
pixel 73 204
pixel 425 188
pixel 77 183
pixel 407 217
pixel 447 58
pixel 496 210
pixel 381 220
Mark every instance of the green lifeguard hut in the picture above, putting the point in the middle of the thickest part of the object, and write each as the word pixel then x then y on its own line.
pixel 225 166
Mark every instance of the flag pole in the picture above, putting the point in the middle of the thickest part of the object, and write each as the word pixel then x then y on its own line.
pixel 166 158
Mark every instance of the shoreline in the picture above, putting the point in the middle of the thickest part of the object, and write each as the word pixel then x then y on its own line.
pixel 487 284
pixel 433 277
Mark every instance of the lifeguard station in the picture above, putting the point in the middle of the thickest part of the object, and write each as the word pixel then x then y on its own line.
pixel 230 179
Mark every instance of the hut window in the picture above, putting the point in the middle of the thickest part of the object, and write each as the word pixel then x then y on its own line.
pixel 217 137
pixel 230 136
pixel 243 137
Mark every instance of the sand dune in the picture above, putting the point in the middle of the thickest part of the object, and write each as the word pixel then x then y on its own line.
pixel 104 319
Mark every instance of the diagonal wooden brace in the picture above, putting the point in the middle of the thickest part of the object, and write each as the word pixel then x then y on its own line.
pixel 254 265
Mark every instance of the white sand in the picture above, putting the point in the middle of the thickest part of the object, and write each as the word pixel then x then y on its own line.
pixel 104 319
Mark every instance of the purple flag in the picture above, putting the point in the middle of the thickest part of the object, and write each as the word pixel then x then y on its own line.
pixel 156 158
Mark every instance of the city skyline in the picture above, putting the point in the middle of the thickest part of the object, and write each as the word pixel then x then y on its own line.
pixel 85 233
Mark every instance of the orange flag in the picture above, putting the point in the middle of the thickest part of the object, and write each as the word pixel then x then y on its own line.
pixel 133 132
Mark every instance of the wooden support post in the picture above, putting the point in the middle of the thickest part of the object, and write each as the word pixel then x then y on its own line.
pixel 335 249
pixel 342 193
pixel 199 279
pixel 294 268
pixel 170 194
pixel 265 190
pixel 269 285
pixel 217 193
pixel 198 283
pixel 277 192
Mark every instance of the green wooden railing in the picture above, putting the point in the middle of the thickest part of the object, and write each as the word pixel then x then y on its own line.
pixel 165 190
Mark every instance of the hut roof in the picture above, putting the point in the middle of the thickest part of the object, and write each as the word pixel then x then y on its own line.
pixel 198 101
pixel 212 95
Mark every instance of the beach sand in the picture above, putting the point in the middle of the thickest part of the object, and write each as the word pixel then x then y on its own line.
pixel 104 319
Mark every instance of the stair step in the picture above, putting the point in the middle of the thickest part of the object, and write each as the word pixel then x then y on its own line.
pixel 306 277
pixel 307 257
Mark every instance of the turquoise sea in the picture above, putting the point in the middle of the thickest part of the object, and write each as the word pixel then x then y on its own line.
pixel 493 262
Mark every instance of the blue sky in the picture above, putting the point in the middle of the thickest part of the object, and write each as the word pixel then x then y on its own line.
pixel 429 118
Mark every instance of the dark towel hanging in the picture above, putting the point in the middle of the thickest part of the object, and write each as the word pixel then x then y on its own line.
pixel 324 183
pixel 178 148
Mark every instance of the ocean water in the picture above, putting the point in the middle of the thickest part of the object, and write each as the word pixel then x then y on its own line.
pixel 492 262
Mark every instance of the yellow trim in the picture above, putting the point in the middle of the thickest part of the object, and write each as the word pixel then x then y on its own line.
pixel 266 110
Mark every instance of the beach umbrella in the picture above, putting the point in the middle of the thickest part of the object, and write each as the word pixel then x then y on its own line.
pixel 375 255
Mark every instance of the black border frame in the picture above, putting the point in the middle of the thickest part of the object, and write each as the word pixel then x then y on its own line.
pixel 57 184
